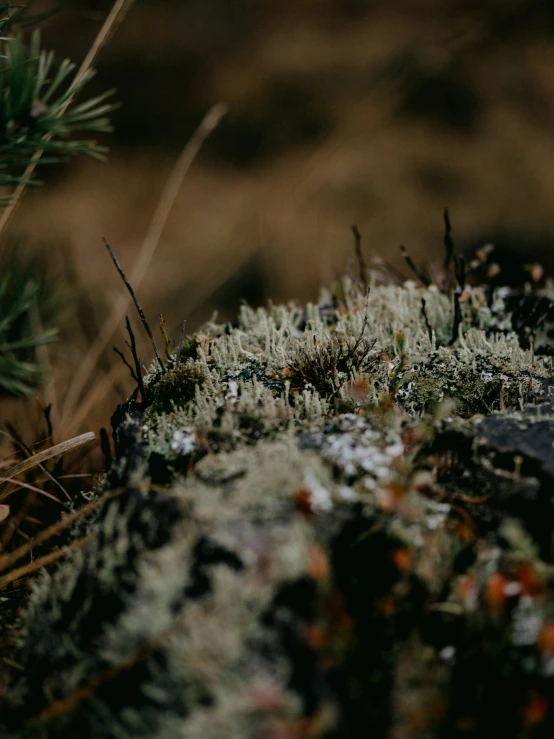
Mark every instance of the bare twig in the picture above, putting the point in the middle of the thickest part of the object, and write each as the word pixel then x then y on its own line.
pixel 136 359
pixel 426 319
pixel 106 448
pixel 447 240
pixel 407 258
pixel 460 264
pixel 151 240
pixel 126 363
pixel 181 342
pixel 362 267
pixel 167 340
pixel 137 304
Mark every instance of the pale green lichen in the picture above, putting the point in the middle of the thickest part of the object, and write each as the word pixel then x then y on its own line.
pixel 316 537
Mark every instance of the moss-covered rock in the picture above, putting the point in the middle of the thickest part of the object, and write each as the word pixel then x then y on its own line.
pixel 336 521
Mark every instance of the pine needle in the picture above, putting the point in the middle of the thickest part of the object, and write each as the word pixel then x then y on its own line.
pixel 115 17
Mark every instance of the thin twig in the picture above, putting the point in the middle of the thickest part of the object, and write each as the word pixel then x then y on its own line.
pixel 137 304
pixel 151 240
pixel 106 448
pixel 407 258
pixel 125 362
pixel 181 342
pixel 460 265
pixel 167 340
pixel 362 267
pixel 136 359
pixel 426 319
pixel 447 240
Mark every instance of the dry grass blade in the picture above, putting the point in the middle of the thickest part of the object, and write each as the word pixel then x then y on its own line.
pixel 98 391
pixel 115 17
pixel 43 561
pixel 144 257
pixel 25 448
pixel 7 560
pixel 20 484
pixel 53 451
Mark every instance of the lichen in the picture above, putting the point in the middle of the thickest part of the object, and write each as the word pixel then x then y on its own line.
pixel 336 521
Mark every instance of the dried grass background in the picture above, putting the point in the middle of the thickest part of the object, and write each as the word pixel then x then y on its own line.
pixel 340 112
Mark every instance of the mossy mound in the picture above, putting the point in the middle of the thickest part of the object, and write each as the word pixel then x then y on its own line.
pixel 334 521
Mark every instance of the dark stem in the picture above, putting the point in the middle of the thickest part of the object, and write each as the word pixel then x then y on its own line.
pixel 426 319
pixel 126 363
pixel 407 258
pixel 136 359
pixel 106 448
pixel 167 340
pixel 138 305
pixel 181 342
pixel 362 267
pixel 447 240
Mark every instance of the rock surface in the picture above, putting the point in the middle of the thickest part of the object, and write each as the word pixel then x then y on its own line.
pixel 334 521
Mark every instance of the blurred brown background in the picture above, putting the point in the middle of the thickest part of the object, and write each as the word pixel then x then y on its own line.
pixel 341 111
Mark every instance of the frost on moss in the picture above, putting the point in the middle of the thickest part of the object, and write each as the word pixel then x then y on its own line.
pixel 337 521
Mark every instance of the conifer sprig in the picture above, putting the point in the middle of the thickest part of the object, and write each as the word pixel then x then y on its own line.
pixel 38 112
pixel 27 311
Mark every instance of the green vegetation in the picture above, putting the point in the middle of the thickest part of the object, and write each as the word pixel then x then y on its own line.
pixel 40 123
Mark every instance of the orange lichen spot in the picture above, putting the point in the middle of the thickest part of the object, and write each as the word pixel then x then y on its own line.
pixel 319 563
pixel 546 638
pixel 391 497
pixel 402 558
pixel 535 710
pixel 531 582
pixel 495 591
pixel 303 501
pixel 317 636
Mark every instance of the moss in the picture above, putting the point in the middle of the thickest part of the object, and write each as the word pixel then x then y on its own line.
pixel 175 388
pixel 327 366
pixel 332 519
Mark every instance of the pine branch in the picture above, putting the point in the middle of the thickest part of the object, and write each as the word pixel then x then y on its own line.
pixel 38 112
